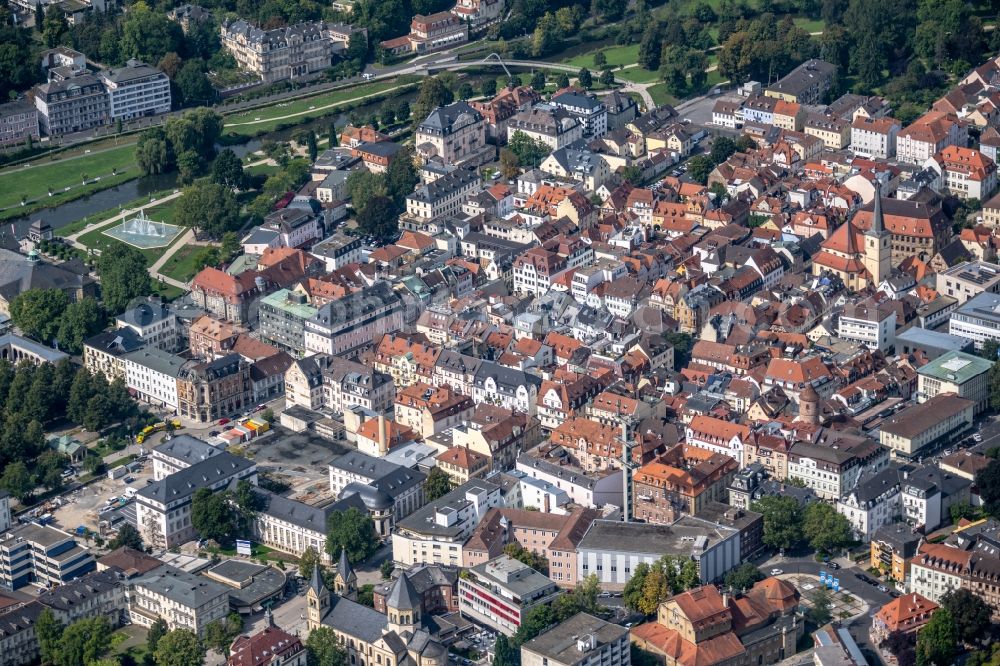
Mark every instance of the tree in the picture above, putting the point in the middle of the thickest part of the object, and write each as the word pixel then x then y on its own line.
pixel 504 654
pixel 819 612
pixel 585 78
pixel 157 630
pixel 538 80
pixel 537 620
pixel 152 152
pixel 488 87
pixel 323 648
pixel 193 85
pixel 743 577
pixel 508 164
pixel 353 531
pixel 83 642
pixel 379 219
pixel 37 312
pixel 212 515
pixel 699 168
pixel 219 635
pixel 401 177
pixel 437 484
pixel 936 641
pixel 782 521
pixel 149 35
pixel 54 26
pixel 312 145
pixel 248 503
pixel 970 615
pixel 49 631
pixel 433 93
pixel 363 186
pixel 546 36
pixel 308 561
pixel 826 529
pixel 179 647
pixel 961 510
pixel 529 151
pixel 227 170
pixel 722 148
pixel 210 207
pixel 650 47
pixel 386 569
pixel 562 80
pixel 607 78
pixel 387 114
pixel 632 594
pixel 80 321
pixel 527 557
pixel 17 480
pixel 600 60
pixel 122 269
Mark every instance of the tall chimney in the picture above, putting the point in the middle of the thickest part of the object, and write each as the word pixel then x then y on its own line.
pixel 383 441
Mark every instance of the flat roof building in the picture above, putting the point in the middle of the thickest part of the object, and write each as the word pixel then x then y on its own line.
pixel 580 640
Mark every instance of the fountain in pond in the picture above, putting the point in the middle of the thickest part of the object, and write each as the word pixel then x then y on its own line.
pixel 142 232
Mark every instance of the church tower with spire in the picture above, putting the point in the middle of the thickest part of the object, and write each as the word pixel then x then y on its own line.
pixel 878 243
pixel 403 606
pixel 345 581
pixel 317 600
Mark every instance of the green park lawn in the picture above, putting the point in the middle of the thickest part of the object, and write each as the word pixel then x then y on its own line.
pixel 811 25
pixel 33 180
pixel 661 96
pixel 637 75
pixel 616 57
pixel 182 264
pixel 246 123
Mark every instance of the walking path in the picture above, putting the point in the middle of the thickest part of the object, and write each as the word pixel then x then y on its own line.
pixel 315 109
pixel 186 239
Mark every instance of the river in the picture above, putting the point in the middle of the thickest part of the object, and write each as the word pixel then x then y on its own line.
pixel 105 200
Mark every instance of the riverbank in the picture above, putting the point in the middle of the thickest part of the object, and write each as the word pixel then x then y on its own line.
pixel 58 179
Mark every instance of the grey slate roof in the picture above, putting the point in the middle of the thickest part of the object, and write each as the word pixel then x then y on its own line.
pixel 204 474
pixel 181 587
pixel 297 513
pixel 403 596
pixel 187 449
pixel 157 360
pixel 355 619
pixel 444 119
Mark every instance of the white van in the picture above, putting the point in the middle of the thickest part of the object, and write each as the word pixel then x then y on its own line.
pixel 130 492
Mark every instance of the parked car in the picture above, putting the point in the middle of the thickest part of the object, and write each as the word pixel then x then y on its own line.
pixel 222 422
pixel 214 433
pixel 129 479
pixel 776 572
pixel 883 588
pixel 833 565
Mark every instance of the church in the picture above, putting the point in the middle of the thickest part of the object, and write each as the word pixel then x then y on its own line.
pixel 370 638
pixel 859 258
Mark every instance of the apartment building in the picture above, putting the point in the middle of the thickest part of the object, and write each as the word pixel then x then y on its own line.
pixel 596 642
pixel 977 320
pixel 429 33
pixel 928 135
pixel 292 52
pixel 73 104
pixel 590 110
pixel 154 322
pixel 830 471
pixel 136 90
pixel 874 137
pixel 553 126
pixel 941 419
pixel 434 534
pixel 444 195
pixel 105 352
pixel 429 410
pixel 501 592
pixel 152 375
pixel 968 279
pixel 42 555
pixel 215 389
pixel 163 508
pixel 282 319
pixel 355 320
pixel 870 323
pixel 586 490
pixel 454 134
pixel 806 84
pixel 536 270
pixel 179 452
pixel 183 600
pixel 965 172
pixel 937 569
pixel 958 373
pixel 835 133
pixel 682 481
pixel 18 122
pixel 399 485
